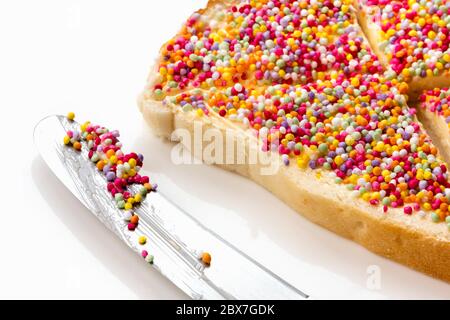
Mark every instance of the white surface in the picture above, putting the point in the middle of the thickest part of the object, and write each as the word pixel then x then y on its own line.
pixel 92 57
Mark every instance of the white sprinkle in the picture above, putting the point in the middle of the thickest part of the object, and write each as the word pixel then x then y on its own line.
pixel 409 129
pixel 127 215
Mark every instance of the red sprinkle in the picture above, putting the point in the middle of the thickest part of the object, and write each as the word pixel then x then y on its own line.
pixel 408 210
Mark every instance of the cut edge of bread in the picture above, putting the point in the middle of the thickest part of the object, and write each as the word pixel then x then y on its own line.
pixel 372 32
pixel 437 129
pixel 411 240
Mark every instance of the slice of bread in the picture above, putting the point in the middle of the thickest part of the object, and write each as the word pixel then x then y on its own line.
pixel 395 29
pixel 311 49
pixel 434 113
pixel 351 156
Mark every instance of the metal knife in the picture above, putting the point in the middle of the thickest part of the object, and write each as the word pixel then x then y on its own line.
pixel 174 236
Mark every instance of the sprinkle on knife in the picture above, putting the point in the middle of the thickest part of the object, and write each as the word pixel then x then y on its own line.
pixel 120 170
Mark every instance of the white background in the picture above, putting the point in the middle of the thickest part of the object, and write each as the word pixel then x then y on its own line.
pixel 93 57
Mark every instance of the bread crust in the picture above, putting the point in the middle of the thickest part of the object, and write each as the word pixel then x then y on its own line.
pixel 408 239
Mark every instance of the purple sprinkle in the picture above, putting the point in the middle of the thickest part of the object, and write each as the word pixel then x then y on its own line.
pixel 106 169
pixel 110 176
pixel 116 133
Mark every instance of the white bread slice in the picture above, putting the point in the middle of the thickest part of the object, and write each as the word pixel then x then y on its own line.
pixel 367 15
pixel 347 33
pixel 409 239
pixel 435 122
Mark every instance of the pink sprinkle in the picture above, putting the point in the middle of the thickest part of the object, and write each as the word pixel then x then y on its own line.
pixel 259 75
pixel 408 210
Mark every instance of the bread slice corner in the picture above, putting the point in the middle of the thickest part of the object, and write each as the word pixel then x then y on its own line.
pixel 366 16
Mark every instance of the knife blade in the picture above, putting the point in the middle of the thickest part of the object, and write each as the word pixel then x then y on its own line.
pixel 174 236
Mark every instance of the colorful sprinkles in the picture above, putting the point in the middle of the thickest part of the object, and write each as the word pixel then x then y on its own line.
pixel 300 74
pixel 416 35
pixel 121 171
pixel 438 102
pixel 266 42
pixel 359 129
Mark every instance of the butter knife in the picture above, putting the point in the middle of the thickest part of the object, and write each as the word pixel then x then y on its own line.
pixel 174 236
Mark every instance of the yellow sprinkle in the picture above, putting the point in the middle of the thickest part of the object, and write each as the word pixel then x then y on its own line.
pixel 227 76
pixel 339 160
pixel 421 22
pixel 85 126
pixel 142 240
pixel 163 71
pixel 132 162
pixel 138 197
pixel 301 163
pixel 66 140
pixel 412 33
pixel 71 116
pixel 113 159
